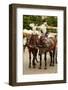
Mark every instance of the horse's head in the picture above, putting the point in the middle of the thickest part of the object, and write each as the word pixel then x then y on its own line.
pixel 42 39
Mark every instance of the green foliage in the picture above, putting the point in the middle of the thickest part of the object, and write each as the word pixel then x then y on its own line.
pixel 52 21
pixel 37 20
pixel 27 19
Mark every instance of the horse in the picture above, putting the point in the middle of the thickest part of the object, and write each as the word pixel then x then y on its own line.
pixel 32 49
pixel 45 45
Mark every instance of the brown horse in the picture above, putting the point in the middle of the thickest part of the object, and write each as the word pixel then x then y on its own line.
pixel 47 45
pixel 44 45
pixel 32 48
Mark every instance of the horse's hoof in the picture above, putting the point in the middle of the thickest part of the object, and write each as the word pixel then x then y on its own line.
pixel 45 68
pixel 50 64
pixel 39 67
pixel 33 66
pixel 56 62
pixel 53 65
pixel 29 66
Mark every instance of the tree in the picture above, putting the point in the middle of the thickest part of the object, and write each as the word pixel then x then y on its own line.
pixel 37 20
pixel 52 21
pixel 27 19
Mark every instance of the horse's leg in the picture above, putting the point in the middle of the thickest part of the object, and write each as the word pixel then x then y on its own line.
pixel 29 59
pixel 56 56
pixel 51 58
pixel 24 48
pixel 34 52
pixel 45 62
pixel 36 56
pixel 40 61
pixel 34 61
